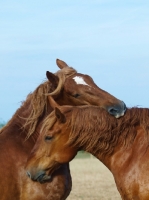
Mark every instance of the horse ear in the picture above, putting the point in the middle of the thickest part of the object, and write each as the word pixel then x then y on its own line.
pixel 61 64
pixel 52 102
pixel 60 116
pixel 51 77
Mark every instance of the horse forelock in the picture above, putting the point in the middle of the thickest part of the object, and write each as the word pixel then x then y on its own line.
pixel 99 132
pixel 63 74
pixel 66 71
pixel 48 122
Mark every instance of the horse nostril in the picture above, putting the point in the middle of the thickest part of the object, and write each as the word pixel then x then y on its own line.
pixel 28 174
pixel 117 110
pixel 40 177
pixel 113 111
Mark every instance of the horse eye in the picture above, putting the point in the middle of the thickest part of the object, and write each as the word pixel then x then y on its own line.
pixel 47 138
pixel 76 95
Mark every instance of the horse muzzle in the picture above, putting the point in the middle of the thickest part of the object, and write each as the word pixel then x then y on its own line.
pixel 40 176
pixel 117 110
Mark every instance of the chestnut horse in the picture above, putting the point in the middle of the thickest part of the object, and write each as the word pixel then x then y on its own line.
pixel 121 144
pixel 18 137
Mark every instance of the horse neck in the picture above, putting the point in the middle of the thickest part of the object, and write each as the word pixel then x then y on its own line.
pixel 117 139
pixel 122 155
pixel 119 153
pixel 19 119
pixel 15 124
pixel 132 142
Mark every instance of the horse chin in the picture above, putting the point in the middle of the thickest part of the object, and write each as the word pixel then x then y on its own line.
pixel 119 115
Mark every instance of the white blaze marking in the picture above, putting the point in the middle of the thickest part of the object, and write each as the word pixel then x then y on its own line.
pixel 80 80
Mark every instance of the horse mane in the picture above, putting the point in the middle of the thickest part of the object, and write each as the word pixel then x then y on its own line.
pixel 96 131
pixel 102 131
pixel 38 101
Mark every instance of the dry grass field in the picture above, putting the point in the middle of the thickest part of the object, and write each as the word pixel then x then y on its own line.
pixel 92 181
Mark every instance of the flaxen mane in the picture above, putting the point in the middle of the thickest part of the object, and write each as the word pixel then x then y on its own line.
pixel 38 100
pixel 95 130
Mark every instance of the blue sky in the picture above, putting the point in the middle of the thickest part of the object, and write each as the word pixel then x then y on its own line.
pixel 109 40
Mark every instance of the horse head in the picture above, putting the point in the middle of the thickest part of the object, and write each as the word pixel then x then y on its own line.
pixel 79 89
pixel 43 160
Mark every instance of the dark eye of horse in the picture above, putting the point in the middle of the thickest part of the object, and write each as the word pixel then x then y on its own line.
pixel 76 95
pixel 47 138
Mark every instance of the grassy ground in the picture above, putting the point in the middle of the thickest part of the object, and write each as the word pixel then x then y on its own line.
pixel 91 180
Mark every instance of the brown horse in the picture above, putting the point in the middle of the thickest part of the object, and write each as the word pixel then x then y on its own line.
pixel 121 144
pixel 18 137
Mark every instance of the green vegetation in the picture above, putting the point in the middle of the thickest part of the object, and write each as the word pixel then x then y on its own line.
pixel 83 154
